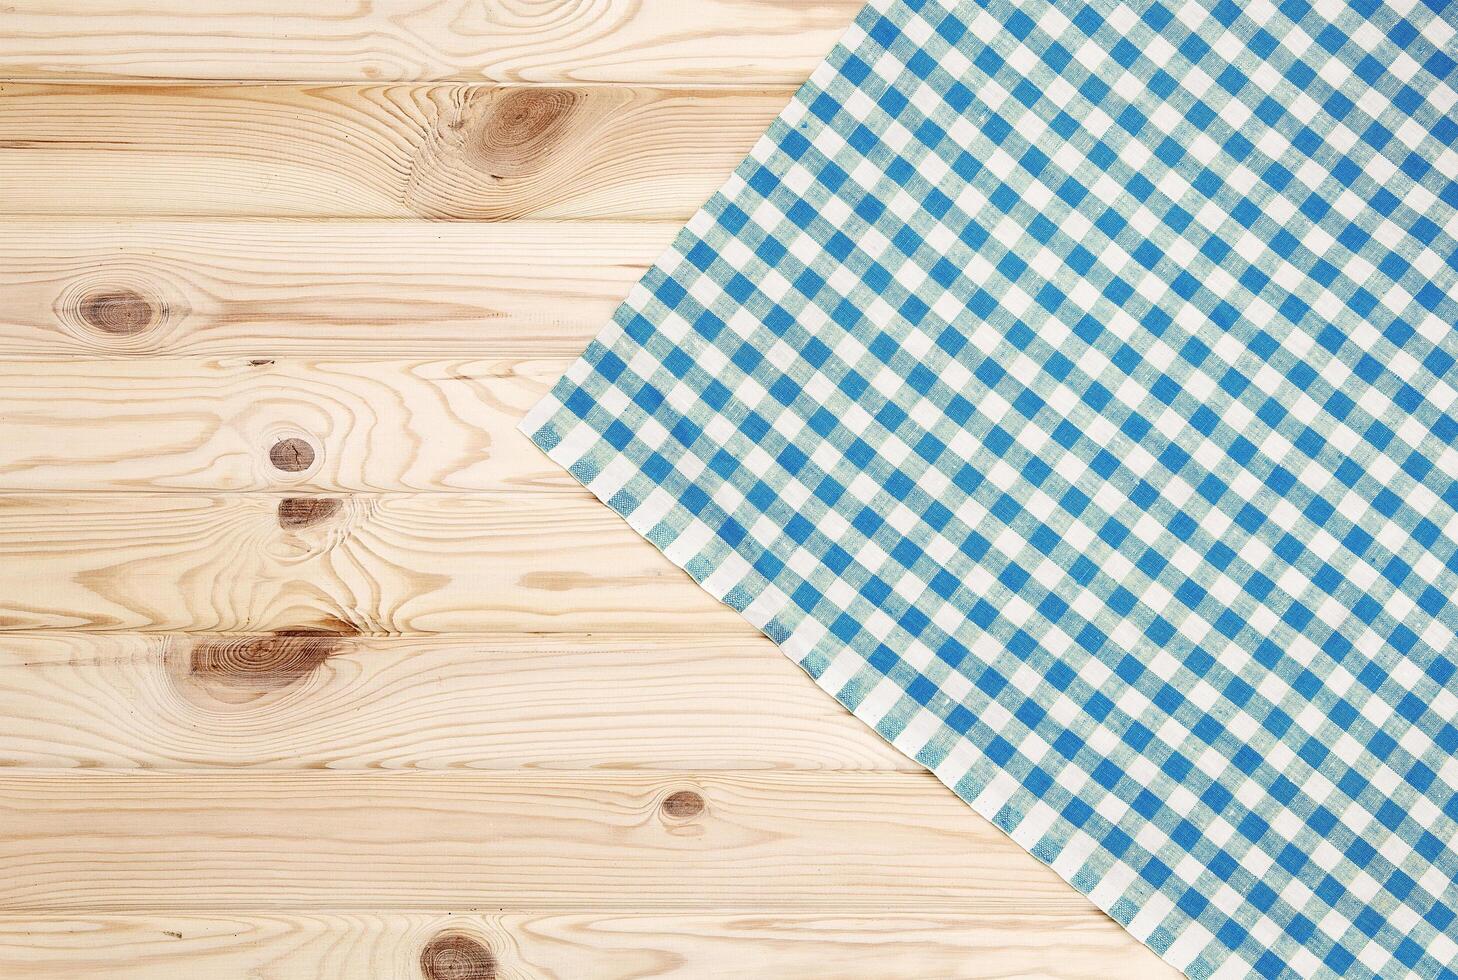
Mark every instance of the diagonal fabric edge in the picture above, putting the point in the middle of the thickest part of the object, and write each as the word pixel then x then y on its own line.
pixel 829 662
pixel 1176 845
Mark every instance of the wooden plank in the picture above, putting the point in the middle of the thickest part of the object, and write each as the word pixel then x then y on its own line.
pixel 637 41
pixel 341 288
pixel 102 841
pixel 456 151
pixel 171 424
pixel 494 702
pixel 431 563
pixel 603 945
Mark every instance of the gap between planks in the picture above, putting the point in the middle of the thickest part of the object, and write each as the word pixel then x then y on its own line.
pixel 200 844
pixel 684 935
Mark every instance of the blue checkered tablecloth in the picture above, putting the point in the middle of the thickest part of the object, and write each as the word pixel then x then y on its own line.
pixel 1070 389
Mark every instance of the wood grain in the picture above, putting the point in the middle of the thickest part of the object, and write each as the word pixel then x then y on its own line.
pixel 261 289
pixel 634 41
pixel 432 563
pixel 311 668
pixel 216 425
pixel 292 841
pixel 601 945
pixel 362 703
pixel 454 151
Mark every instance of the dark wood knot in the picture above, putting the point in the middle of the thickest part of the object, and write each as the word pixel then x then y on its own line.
pixel 291 455
pixel 268 662
pixel 515 132
pixel 683 804
pixel 118 311
pixel 453 956
pixel 297 512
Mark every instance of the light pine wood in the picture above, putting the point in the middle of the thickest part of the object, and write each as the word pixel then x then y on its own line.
pixel 261 289
pixel 601 945
pixel 506 701
pixel 397 563
pixel 210 424
pixel 311 667
pixel 139 841
pixel 555 41
pixel 458 151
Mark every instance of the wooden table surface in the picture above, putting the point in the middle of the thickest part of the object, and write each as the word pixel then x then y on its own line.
pixel 312 666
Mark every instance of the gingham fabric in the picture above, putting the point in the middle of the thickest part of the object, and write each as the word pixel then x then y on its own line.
pixel 1070 390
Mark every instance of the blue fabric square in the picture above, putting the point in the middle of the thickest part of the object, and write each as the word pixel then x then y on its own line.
pixel 1050 400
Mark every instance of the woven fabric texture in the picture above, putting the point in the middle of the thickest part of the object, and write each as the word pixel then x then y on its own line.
pixel 1070 390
